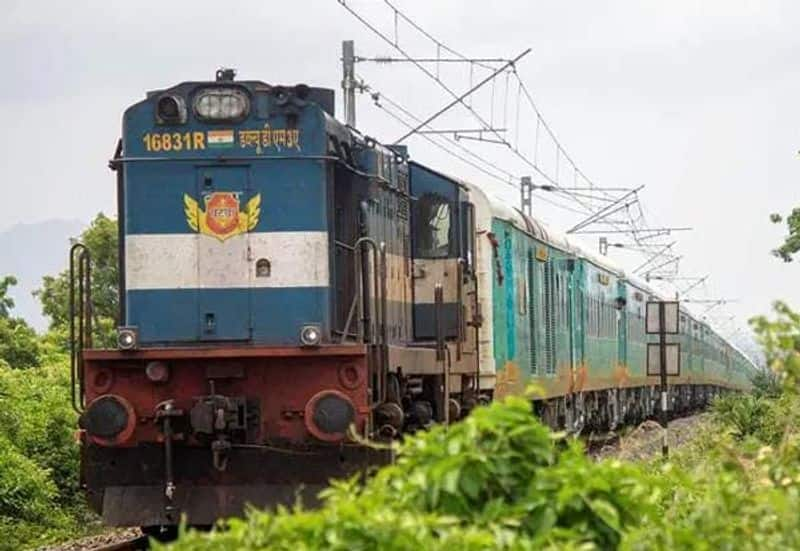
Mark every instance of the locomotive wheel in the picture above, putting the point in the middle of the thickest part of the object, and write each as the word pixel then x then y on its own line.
pixel 161 533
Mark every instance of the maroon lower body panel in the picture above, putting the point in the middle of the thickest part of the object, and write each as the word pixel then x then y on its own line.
pixel 126 486
pixel 201 433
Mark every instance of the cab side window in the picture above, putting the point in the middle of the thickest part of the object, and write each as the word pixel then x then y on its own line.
pixel 432 227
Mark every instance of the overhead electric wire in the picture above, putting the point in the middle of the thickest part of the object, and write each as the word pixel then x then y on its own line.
pixel 455 143
pixel 637 226
pixel 634 227
pixel 436 41
pixel 485 171
pixel 560 150
pixel 446 88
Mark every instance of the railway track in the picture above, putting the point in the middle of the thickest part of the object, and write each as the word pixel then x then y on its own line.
pixel 133 544
pixel 595 442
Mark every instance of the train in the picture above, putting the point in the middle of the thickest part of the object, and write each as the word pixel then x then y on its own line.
pixel 292 290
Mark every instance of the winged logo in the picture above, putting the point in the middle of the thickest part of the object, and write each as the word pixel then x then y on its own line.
pixel 222 216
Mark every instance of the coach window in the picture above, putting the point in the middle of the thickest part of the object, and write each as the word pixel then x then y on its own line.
pixel 432 231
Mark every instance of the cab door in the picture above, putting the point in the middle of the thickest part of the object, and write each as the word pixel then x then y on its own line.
pixel 435 244
pixel 224 275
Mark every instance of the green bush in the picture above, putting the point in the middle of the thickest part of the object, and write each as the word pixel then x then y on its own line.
pixel 500 480
pixel 25 488
pixel 19 344
pixel 497 480
pixel 35 415
pixel 766 420
pixel 39 497
pixel 766 383
pixel 727 497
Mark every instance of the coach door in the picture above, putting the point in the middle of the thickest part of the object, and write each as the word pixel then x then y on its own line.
pixel 622 324
pixel 226 210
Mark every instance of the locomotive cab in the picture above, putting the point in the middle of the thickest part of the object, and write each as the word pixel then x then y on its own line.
pixel 228 361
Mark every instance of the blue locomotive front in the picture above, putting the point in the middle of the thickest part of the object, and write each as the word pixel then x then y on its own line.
pixel 226 217
pixel 254 322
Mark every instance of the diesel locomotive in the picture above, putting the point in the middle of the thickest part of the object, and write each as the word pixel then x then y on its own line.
pixel 291 289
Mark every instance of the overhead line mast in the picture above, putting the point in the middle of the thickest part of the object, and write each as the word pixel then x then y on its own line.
pixel 460 99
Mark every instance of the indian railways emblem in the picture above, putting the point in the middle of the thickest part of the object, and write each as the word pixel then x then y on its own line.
pixel 222 217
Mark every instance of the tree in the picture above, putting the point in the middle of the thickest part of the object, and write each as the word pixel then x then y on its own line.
pixel 100 238
pixel 6 302
pixel 19 344
pixel 792 243
pixel 780 338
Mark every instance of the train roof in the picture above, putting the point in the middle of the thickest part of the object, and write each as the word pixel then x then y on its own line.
pixel 540 230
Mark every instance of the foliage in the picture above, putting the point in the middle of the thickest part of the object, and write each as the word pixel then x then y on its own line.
pixel 102 241
pixel 738 485
pixel 727 499
pixel 750 416
pixel 766 383
pixel 791 244
pixel 497 480
pixel 6 302
pixel 35 414
pixel 500 480
pixel 19 345
pixel 780 339
pixel 39 499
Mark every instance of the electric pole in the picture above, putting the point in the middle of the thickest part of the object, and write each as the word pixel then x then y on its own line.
pixel 349 82
pixel 526 195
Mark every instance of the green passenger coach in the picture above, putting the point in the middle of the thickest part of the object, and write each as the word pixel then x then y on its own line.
pixel 571 324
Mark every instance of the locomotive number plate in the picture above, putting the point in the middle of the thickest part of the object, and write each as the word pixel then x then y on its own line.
pixel 174 141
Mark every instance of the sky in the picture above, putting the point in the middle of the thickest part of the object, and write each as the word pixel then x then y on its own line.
pixel 697 101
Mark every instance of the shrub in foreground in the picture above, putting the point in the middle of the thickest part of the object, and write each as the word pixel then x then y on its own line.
pixel 497 480
pixel 500 480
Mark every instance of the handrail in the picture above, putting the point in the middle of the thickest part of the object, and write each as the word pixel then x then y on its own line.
pixel 442 350
pixel 372 326
pixel 459 308
pixel 80 258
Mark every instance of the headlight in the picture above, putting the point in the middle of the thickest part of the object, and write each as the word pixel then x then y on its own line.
pixel 221 104
pixel 127 338
pixel 171 110
pixel 328 414
pixel 310 335
pixel 109 418
pixel 157 371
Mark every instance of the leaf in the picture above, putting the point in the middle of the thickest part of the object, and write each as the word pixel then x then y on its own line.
pixel 450 481
pixel 606 511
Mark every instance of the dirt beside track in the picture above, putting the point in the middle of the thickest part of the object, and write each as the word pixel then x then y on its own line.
pixel 644 441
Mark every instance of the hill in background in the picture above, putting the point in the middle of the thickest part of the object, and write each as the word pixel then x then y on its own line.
pixel 31 251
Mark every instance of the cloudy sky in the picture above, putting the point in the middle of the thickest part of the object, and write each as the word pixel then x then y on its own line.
pixel 698 101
